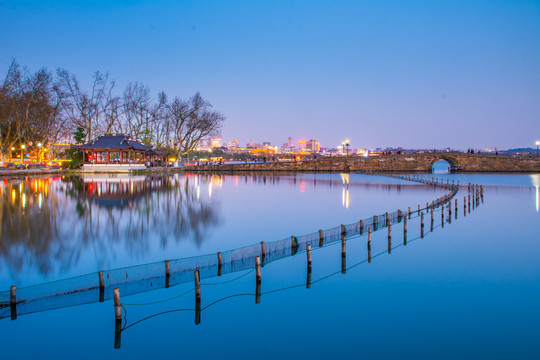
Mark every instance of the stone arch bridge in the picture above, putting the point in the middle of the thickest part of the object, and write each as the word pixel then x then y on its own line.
pixel 398 163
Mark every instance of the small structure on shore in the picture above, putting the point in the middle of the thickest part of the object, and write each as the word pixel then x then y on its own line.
pixel 118 152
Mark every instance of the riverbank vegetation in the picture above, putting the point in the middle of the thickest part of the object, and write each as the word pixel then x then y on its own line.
pixel 40 110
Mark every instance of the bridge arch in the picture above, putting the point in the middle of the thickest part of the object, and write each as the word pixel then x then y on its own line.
pixel 454 163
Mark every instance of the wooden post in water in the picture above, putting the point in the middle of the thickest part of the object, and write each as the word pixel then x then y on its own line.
pixel 197 276
pixel 258 280
pixel 389 238
pixel 418 209
pixel 386 219
pixel 374 222
pixel 361 227
pixel 258 268
pixel 308 255
pixel 13 301
pixel 321 238
pixel 464 206
pixel 369 245
pixel 399 215
pixel 167 274
pixel 101 286
pixel 117 304
pixel 219 263
pixel 422 224
pixel 308 278
pixel 343 254
pixel 456 207
pixel 469 203
pixel 409 212
pixel 405 231
pixel 343 230
pixel 431 227
pixel 442 216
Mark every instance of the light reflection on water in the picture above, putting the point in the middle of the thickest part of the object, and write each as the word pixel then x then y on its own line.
pixel 57 227
pixel 466 291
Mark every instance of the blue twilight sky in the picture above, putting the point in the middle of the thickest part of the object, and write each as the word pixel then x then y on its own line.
pixel 382 73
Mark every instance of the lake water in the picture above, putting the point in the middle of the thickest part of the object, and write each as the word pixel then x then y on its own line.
pixel 468 289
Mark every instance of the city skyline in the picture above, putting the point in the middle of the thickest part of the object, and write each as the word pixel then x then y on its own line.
pixel 384 74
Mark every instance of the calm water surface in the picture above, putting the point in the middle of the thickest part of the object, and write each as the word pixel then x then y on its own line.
pixel 466 290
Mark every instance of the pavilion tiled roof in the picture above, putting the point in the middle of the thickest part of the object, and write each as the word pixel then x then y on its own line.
pixel 156 152
pixel 114 142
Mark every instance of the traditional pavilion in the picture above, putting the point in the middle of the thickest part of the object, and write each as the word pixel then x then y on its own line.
pixel 118 152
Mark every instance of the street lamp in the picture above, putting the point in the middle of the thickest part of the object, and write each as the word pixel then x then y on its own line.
pixel 22 154
pixel 537 143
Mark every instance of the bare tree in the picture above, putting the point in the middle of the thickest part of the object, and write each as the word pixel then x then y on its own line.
pixel 36 107
pixel 161 122
pixel 191 121
pixel 137 111
pixel 24 106
pixel 86 110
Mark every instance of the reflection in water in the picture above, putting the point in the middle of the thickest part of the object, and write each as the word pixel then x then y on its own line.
pixel 48 223
pixel 345 196
pixel 57 225
pixel 536 183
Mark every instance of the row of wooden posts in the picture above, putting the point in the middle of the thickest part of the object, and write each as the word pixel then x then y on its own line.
pixel 295 245
pixel 475 190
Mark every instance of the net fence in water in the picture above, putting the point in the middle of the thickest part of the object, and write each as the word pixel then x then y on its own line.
pixel 140 278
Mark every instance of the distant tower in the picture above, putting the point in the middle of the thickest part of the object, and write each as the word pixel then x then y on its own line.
pixel 290 141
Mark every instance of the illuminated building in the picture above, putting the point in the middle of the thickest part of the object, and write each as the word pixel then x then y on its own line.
pixel 233 144
pixel 313 145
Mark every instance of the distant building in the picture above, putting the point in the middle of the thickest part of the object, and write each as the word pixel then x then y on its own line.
pixel 301 145
pixel 252 145
pixel 290 142
pixel 313 145
pixel 215 143
pixel 204 145
pixel 233 144
pixel 286 149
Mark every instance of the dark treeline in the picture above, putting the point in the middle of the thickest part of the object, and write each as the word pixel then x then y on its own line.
pixel 45 107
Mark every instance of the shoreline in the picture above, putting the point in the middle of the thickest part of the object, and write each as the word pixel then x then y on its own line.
pixel 230 169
